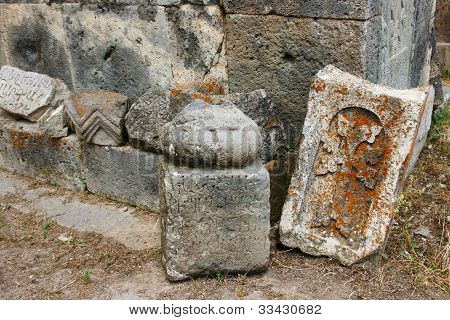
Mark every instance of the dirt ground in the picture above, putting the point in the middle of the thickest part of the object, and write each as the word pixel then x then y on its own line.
pixel 36 263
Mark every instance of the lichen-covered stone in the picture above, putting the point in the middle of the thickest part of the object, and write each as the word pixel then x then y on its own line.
pixel 98 117
pixel 214 221
pixel 357 144
pixel 28 94
pixel 211 135
pixel 123 173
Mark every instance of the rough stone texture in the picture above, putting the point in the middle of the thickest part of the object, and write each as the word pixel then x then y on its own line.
pixel 98 117
pixel 157 107
pixel 124 174
pixel 214 221
pixel 398 35
pixel 27 150
pixel 126 51
pixel 256 105
pixel 358 141
pixel 212 135
pixel 29 95
pixel 443 52
pixel 423 129
pixel 147 116
pixel 197 36
pixel 32 38
pixel 127 46
pixel 282 54
pixel 335 9
pixel 53 123
pixel 442 20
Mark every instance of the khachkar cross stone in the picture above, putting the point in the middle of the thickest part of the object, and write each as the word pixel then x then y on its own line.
pixel 358 141
pixel 214 194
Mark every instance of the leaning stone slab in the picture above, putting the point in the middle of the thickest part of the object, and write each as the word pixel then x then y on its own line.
pixel 124 174
pixel 25 149
pixel 98 116
pixel 357 143
pixel 215 218
pixel 29 95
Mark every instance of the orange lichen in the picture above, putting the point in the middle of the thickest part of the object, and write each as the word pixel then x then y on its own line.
pixel 319 86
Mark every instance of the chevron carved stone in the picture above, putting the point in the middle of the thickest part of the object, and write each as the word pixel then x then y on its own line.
pixel 98 116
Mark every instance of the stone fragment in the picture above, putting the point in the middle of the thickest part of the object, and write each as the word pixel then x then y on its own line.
pixel 98 116
pixel 157 107
pixel 357 143
pixel 29 95
pixel 146 117
pixel 25 149
pixel 211 135
pixel 214 221
pixel 53 123
pixel 124 174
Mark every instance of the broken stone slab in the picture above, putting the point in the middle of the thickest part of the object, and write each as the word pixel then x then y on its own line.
pixel 53 123
pixel 25 149
pixel 214 221
pixel 211 135
pixel 98 117
pixel 123 173
pixel 157 107
pixel 29 95
pixel 357 143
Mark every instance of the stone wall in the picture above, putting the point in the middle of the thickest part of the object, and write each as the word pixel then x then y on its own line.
pixel 130 46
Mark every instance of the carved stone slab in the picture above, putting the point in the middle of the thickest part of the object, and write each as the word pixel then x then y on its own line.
pixel 211 135
pixel 29 95
pixel 356 146
pixel 214 220
pixel 98 116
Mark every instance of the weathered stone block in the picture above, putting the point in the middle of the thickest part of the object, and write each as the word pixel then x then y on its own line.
pixel 197 40
pixel 211 135
pixel 98 117
pixel 335 9
pixel 157 107
pixel 24 148
pixel 28 94
pixel 118 50
pixel 214 221
pixel 357 144
pixel 124 174
pixel 33 39
pixel 282 55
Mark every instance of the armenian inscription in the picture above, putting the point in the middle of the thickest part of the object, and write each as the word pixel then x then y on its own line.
pixel 26 94
pixel 214 220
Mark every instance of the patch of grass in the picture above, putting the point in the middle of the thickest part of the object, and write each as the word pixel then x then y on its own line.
pixel 87 277
pixel 441 119
pixel 2 224
pixel 218 276
pixel 446 75
pixel 46 225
